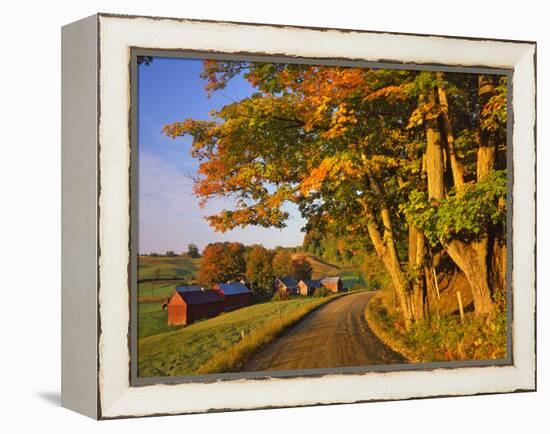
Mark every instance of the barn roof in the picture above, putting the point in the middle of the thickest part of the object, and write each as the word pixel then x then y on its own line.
pixel 233 288
pixel 313 283
pixel 330 279
pixel 188 288
pixel 201 297
pixel 288 281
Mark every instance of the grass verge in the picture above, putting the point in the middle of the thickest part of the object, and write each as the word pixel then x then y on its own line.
pixel 234 358
pixel 435 341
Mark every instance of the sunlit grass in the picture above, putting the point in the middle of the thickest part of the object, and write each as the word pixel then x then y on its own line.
pixel 188 350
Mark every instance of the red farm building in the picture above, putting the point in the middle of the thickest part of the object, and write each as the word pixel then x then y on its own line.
pixel 186 307
pixel 308 287
pixel 332 283
pixel 236 294
pixel 287 285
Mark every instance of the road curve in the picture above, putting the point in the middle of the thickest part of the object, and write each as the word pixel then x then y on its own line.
pixel 334 335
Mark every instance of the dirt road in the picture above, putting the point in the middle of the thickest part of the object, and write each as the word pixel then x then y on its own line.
pixel 334 335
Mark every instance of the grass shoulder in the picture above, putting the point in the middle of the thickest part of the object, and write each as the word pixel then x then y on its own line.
pixel 438 340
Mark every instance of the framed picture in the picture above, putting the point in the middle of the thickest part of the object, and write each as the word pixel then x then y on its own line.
pixel 261 216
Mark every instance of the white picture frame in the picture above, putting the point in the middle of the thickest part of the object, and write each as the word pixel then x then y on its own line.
pixel 96 132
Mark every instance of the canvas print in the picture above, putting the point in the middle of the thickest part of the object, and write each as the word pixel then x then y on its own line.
pixel 300 216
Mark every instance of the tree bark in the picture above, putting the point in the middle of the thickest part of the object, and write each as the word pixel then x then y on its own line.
pixel 486 153
pixel 457 169
pixel 470 257
pixel 417 259
pixel 386 249
pixel 435 161
pixel 497 262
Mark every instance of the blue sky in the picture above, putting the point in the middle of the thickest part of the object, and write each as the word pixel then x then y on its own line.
pixel 169 215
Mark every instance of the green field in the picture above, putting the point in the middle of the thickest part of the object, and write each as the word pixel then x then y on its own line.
pixel 350 277
pixel 152 320
pixel 321 268
pixel 183 351
pixel 178 267
pixel 156 291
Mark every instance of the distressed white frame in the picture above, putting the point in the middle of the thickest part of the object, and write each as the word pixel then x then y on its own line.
pixel 116 398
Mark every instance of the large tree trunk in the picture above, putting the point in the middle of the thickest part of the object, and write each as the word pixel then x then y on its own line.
pixel 417 260
pixel 435 157
pixel 386 249
pixel 470 257
pixel 497 262
pixel 486 161
pixel 387 252
pixel 457 169
pixel 487 144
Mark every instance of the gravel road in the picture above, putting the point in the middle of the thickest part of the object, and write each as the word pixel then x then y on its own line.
pixel 334 335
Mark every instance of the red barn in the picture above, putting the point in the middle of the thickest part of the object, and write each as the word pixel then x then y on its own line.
pixel 236 294
pixel 332 283
pixel 308 287
pixel 287 285
pixel 186 307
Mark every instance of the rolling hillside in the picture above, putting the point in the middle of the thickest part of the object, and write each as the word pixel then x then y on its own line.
pixel 178 267
pixel 321 268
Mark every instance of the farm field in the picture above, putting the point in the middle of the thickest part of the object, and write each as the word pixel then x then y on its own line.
pixel 153 291
pixel 184 351
pixel 152 320
pixel 177 267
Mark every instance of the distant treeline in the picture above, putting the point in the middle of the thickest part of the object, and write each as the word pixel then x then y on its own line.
pixel 257 265
pixel 192 252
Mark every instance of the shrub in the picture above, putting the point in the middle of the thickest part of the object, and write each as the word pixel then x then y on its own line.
pixel 373 285
pixel 357 286
pixel 322 292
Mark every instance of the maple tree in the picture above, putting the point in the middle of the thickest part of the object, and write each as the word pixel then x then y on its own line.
pixel 222 262
pixel 301 268
pixel 282 263
pixel 396 159
pixel 259 272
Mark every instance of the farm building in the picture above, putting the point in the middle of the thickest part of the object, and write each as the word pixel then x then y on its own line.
pixel 186 307
pixel 332 283
pixel 287 285
pixel 308 287
pixel 236 294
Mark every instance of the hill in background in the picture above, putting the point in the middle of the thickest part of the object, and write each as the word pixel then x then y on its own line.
pixel 176 267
